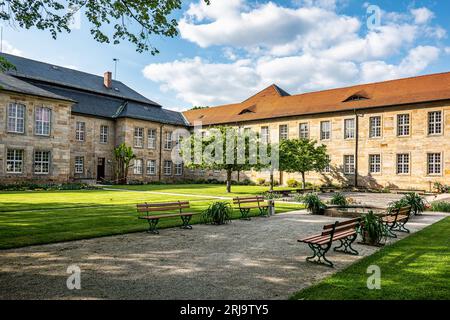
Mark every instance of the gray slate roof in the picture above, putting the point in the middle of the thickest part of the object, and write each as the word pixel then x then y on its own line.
pixel 139 111
pixel 31 69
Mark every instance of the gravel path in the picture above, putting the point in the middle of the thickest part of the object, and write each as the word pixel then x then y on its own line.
pixel 258 259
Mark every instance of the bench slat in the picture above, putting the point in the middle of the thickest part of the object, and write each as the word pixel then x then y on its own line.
pixel 184 214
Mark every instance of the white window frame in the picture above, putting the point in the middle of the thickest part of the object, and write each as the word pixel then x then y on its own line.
pixel 283 132
pixel 80 131
pixel 18 122
pixel 16 161
pixel 168 143
pixel 104 131
pixel 403 125
pixel 435 123
pixel 434 164
pixel 349 131
pixel 322 132
pixel 138 167
pixel 402 164
pixel 79 164
pixel 178 169
pixel 168 167
pixel 349 166
pixel 138 137
pixel 375 129
pixel 327 168
pixel 265 134
pixel 151 138
pixel 41 162
pixel 151 167
pixel 42 127
pixel 303 133
pixel 373 165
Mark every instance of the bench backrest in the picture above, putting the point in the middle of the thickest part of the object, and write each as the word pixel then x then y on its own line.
pixel 253 199
pixel 336 227
pixel 162 206
pixel 404 211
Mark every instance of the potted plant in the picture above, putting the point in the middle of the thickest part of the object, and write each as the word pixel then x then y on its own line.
pixel 372 229
pixel 313 203
pixel 417 203
pixel 339 199
pixel 218 213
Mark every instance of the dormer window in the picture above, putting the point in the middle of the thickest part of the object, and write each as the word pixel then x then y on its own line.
pixel 357 96
pixel 250 109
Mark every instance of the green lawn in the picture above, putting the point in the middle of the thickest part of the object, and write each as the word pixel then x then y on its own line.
pixel 417 267
pixel 38 217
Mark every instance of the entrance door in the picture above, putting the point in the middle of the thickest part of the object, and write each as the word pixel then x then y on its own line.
pixel 101 169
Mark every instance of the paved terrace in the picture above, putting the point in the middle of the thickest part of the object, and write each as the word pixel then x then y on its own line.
pixel 258 259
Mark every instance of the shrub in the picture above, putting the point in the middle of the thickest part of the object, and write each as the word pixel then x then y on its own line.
pixel 373 229
pixel 292 183
pixel 261 181
pixel 218 212
pixel 339 199
pixel 440 206
pixel 441 188
pixel 417 203
pixel 46 186
pixel 313 203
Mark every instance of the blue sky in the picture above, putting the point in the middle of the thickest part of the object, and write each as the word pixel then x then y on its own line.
pixel 234 48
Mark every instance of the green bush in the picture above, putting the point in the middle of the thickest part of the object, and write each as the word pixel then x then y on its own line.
pixel 27 186
pixel 417 203
pixel 313 203
pixel 440 206
pixel 260 181
pixel 292 183
pixel 339 199
pixel 218 212
pixel 373 228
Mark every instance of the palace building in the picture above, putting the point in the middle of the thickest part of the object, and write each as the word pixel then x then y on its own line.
pixel 59 124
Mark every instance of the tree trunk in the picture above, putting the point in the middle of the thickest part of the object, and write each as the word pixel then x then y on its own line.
pixel 228 181
pixel 238 174
pixel 271 180
pixel 303 181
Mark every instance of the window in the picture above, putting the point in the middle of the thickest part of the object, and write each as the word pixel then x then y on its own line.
pixel 435 122
pixel 103 134
pixel 374 163
pixel 42 119
pixel 265 135
pixel 325 130
pixel 139 137
pixel 41 162
pixel 403 125
pixel 137 168
pixel 14 161
pixel 16 118
pixel 79 164
pixel 178 169
pixel 151 141
pixel 403 163
pixel 349 128
pixel 284 132
pixel 247 132
pixel 80 130
pixel 167 167
pixel 168 140
pixel 303 131
pixel 327 168
pixel 434 163
pixel 151 167
pixel 349 164
pixel 375 127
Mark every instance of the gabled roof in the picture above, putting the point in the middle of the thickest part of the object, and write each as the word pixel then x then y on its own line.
pixel 270 104
pixel 44 72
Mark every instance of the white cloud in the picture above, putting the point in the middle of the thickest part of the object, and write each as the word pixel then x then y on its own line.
pixel 447 50
pixel 9 48
pixel 422 15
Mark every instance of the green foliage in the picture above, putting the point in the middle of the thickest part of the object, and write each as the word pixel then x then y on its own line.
pixel 218 212
pixel 292 183
pixel 123 156
pixel 46 186
pixel 313 203
pixel 133 21
pixel 302 155
pixel 260 181
pixel 417 203
pixel 373 228
pixel 439 187
pixel 338 199
pixel 440 206
pixel 199 107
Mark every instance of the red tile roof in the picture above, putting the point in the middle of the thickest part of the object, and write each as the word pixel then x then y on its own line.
pixel 274 102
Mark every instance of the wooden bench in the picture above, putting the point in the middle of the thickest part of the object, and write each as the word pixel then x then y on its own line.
pixel 344 231
pixel 396 220
pixel 147 212
pixel 288 192
pixel 245 204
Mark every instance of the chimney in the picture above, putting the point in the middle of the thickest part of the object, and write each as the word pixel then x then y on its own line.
pixel 107 79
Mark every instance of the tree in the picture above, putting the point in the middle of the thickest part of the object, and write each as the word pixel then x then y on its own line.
pixel 219 150
pixel 123 156
pixel 132 20
pixel 302 155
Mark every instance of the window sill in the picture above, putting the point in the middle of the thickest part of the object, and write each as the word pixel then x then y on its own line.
pixel 13 132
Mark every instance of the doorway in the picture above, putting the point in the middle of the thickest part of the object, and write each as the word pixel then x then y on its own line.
pixel 101 169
